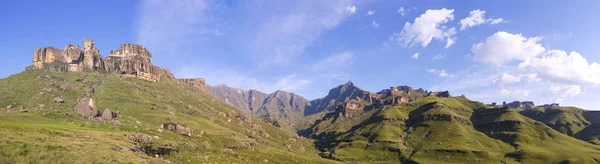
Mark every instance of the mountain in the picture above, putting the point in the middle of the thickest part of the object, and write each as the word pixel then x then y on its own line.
pixel 439 128
pixel 123 109
pixel 73 105
pixel 279 107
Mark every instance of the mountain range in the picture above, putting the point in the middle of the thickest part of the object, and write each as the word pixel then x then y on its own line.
pixel 74 105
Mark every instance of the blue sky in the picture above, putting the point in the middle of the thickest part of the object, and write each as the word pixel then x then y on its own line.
pixel 544 51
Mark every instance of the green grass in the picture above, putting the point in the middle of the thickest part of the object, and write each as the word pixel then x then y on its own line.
pixel 55 134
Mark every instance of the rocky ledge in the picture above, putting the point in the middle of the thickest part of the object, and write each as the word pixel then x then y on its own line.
pixel 130 60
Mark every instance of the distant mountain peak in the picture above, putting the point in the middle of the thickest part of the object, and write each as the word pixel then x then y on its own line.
pixel 349 83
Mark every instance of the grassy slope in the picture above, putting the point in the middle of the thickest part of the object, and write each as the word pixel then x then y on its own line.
pixel 55 133
pixel 401 134
pixel 534 142
pixel 567 120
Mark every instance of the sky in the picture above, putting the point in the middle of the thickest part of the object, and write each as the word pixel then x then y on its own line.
pixel 544 51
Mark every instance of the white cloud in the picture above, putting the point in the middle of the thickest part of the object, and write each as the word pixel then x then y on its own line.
pixel 564 91
pixel 497 21
pixel 375 24
pixel 438 57
pixel 371 12
pixel 477 17
pixel 351 9
pixel 284 34
pixel 405 12
pixel 440 73
pixel 415 56
pixel 503 47
pixel 425 28
pixel 514 92
pixel 507 79
pixel 341 60
pixel 557 66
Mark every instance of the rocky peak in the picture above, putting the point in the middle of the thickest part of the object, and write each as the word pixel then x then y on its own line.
pixel 133 61
pixel 131 51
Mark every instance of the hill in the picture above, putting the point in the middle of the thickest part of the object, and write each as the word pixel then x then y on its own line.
pixel 130 113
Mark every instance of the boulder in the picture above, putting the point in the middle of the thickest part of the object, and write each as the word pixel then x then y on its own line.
pixel 9 107
pixel 86 108
pixel 59 100
pixel 108 115
pixel 177 128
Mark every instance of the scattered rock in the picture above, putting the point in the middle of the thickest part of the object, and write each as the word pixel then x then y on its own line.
pixel 23 110
pixel 59 100
pixel 9 107
pixel 86 108
pixel 177 128
pixel 265 160
pixel 42 93
pixel 227 151
pixel 108 115
pixel 41 106
pixel 115 122
pixel 140 138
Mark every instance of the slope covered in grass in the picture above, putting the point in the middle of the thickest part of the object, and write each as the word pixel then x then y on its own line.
pixel 447 130
pixel 52 132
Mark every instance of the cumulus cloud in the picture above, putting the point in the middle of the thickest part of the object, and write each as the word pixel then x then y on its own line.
pixel 371 12
pixel 558 66
pixel 504 47
pixel 564 91
pixel 351 9
pixel 477 17
pixel 415 56
pixel 426 27
pixel 440 73
pixel 375 24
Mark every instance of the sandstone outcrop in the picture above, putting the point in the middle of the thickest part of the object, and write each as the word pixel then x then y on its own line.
pixel 130 60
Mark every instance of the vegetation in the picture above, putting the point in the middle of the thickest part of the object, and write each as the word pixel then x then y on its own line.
pixel 51 132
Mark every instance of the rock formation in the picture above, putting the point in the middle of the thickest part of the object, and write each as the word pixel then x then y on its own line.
pixel 199 83
pixel 130 60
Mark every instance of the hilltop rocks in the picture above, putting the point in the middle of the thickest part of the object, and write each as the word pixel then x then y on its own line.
pixel 519 104
pixel 440 94
pixel 177 128
pixel 130 60
pixel 199 83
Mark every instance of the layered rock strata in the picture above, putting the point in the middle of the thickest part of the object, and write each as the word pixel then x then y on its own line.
pixel 130 60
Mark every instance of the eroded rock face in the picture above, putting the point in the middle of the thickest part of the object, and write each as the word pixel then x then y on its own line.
pixel 130 60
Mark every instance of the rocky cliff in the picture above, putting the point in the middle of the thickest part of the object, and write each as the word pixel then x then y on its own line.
pixel 130 60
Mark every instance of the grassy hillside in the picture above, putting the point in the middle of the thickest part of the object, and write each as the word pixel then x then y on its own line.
pixel 51 132
pixel 448 130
